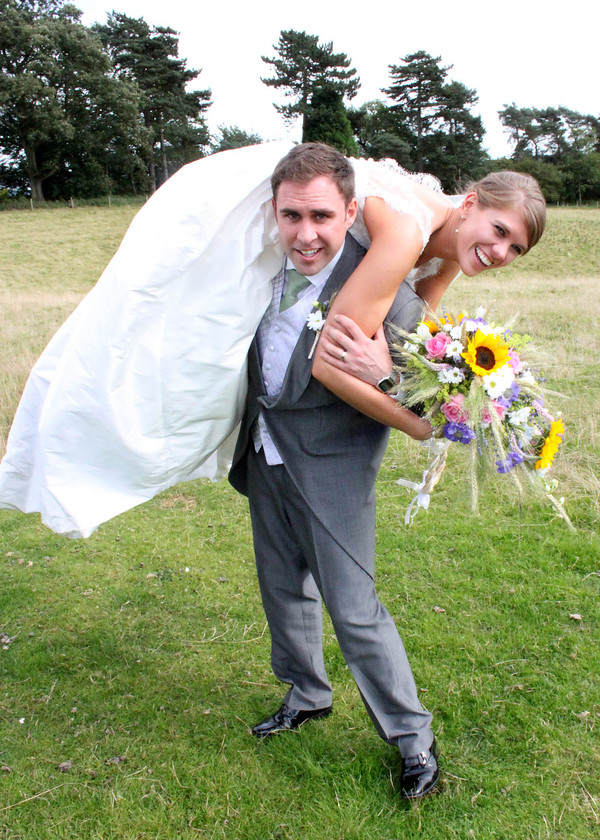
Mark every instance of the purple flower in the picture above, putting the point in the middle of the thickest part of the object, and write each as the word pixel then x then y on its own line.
pixel 513 458
pixel 458 432
pixel 507 399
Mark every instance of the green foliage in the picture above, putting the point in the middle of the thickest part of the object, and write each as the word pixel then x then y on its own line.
pixel 416 89
pixel 381 134
pixel 57 100
pixel 305 68
pixel 453 152
pixel 560 147
pixel 175 129
pixel 75 120
pixel 232 137
pixel 429 127
pixel 328 122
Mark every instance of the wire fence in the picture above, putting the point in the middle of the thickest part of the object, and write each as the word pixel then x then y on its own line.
pixel 24 203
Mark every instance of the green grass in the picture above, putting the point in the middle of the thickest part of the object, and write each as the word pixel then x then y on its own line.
pixel 141 655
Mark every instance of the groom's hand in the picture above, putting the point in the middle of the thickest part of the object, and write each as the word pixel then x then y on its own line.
pixel 344 346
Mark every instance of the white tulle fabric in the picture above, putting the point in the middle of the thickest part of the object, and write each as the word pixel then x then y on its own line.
pixel 389 181
pixel 144 385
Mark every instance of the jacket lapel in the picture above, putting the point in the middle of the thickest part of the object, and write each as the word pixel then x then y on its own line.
pixel 299 370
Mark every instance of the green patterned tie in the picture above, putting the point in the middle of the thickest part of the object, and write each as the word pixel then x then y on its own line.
pixel 296 283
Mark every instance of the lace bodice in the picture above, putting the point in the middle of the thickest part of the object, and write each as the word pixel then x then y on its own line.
pixel 389 181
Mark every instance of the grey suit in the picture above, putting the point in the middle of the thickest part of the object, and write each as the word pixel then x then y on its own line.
pixel 313 521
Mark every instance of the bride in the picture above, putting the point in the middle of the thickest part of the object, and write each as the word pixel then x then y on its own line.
pixel 144 384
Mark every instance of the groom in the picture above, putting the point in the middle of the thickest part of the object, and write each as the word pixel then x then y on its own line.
pixel 307 462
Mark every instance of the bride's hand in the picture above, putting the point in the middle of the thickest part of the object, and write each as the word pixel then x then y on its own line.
pixel 346 347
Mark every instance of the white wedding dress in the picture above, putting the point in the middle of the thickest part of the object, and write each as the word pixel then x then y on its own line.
pixel 144 384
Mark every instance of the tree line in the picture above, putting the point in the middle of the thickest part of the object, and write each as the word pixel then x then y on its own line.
pixel 113 109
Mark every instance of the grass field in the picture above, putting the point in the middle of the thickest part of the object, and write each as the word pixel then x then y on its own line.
pixel 132 664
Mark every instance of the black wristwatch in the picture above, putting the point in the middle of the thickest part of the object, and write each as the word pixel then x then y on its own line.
pixel 387 383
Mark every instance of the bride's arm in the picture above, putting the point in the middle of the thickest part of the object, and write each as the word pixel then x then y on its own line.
pixel 366 297
pixel 431 289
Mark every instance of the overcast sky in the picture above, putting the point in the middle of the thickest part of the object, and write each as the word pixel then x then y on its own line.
pixel 534 54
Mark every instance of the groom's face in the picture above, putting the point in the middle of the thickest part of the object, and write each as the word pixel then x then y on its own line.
pixel 312 218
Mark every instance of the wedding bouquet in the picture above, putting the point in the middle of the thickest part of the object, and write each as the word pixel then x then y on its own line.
pixel 472 380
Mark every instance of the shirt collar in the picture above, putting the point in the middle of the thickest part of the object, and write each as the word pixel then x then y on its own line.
pixel 323 275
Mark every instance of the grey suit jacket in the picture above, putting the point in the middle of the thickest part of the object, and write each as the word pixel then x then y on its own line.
pixel 331 450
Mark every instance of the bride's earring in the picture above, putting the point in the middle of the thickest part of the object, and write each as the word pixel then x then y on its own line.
pixel 462 218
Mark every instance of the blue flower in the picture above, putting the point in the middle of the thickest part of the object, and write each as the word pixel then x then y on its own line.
pixel 458 432
pixel 507 399
pixel 515 457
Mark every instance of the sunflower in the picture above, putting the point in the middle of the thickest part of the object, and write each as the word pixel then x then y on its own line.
pixel 551 444
pixel 486 353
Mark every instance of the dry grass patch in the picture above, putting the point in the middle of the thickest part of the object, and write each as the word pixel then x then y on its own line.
pixel 569 245
pixel 58 250
pixel 27 322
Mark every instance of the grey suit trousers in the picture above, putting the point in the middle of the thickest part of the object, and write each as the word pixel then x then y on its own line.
pixel 299 561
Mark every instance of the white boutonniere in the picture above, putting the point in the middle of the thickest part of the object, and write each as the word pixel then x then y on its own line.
pixel 315 320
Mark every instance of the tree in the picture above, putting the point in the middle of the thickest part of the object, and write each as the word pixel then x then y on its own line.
pixel 380 134
pixel 233 137
pixel 524 130
pixel 564 146
pixel 549 132
pixel 454 150
pixel 327 121
pixel 416 89
pixel 175 128
pixel 55 91
pixel 548 175
pixel 434 117
pixel 582 177
pixel 305 68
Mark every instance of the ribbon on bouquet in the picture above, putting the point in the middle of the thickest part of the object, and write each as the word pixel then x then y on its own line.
pixel 438 450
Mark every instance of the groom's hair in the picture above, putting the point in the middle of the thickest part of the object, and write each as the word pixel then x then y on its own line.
pixel 313 160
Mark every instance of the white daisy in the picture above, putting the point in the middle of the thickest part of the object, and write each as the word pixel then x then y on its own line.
pixel 315 321
pixel 451 374
pixel 454 376
pixel 519 417
pixel 454 349
pixel 497 382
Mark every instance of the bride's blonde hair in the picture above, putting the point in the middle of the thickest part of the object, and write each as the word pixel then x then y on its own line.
pixel 514 189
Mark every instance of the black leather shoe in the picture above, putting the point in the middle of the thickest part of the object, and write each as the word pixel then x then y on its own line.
pixel 286 718
pixel 420 774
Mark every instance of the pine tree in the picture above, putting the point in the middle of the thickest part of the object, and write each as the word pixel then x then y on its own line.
pixel 305 68
pixel 172 116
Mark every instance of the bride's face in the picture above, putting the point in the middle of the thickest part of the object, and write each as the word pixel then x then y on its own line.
pixel 489 237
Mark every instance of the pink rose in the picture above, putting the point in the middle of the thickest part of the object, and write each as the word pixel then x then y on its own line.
pixel 514 361
pixel 454 410
pixel 436 345
pixel 486 417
